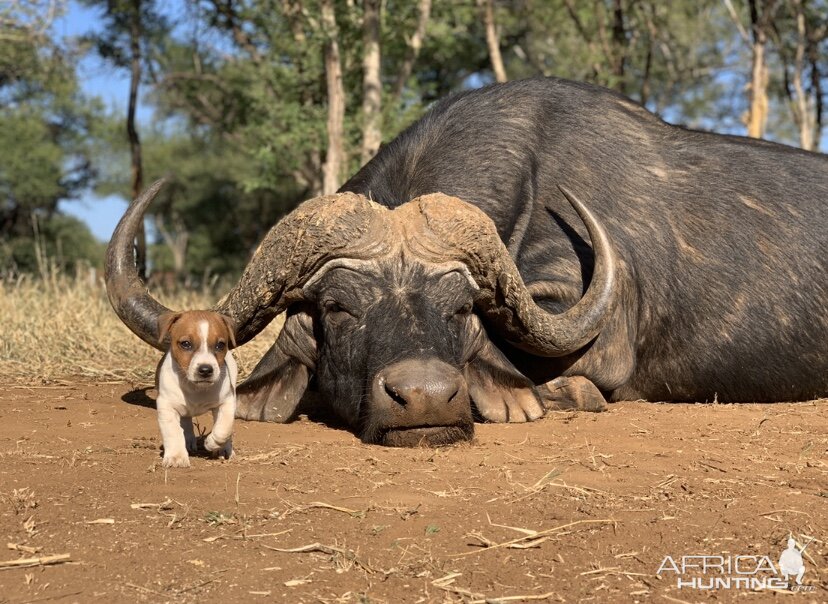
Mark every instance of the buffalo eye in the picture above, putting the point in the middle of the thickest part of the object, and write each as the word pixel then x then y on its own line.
pixel 334 309
pixel 185 345
pixel 220 346
pixel 464 310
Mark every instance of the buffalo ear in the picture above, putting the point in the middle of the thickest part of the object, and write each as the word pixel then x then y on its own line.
pixel 499 392
pixel 273 390
pixel 165 322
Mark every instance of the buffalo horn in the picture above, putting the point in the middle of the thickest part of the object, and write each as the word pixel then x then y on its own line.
pixel 318 230
pixel 127 292
pixel 446 228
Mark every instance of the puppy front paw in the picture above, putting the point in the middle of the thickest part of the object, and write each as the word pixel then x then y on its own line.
pixel 219 450
pixel 226 451
pixel 176 460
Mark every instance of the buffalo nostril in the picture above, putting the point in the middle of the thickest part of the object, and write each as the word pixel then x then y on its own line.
pixel 394 395
pixel 205 371
pixel 450 399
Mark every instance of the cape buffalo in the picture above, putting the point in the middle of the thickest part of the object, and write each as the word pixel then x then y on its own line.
pixel 457 276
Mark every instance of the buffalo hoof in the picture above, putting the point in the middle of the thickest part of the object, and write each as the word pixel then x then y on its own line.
pixel 572 393
pixel 502 404
pixel 271 401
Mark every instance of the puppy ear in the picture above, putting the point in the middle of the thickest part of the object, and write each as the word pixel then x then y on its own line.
pixel 230 323
pixel 165 323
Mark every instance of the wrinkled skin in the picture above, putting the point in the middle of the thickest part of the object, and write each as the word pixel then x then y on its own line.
pixel 397 314
pixel 411 316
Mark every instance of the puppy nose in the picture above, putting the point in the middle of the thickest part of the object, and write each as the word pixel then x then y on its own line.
pixel 205 371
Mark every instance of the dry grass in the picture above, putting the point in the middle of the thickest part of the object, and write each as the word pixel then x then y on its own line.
pixel 65 328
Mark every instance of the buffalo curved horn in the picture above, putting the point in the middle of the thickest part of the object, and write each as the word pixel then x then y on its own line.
pixel 446 228
pixel 323 228
pixel 317 231
pixel 127 292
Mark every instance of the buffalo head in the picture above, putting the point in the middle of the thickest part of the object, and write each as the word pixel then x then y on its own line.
pixel 386 307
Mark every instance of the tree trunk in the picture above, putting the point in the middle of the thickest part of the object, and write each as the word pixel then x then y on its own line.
pixel 816 85
pixel 757 117
pixel 758 112
pixel 132 133
pixel 371 80
pixel 310 173
pixel 619 39
pixel 645 80
pixel 336 101
pixel 800 106
pixel 492 39
pixel 413 50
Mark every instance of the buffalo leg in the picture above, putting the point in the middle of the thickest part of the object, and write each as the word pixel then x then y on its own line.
pixel 500 393
pixel 273 390
pixel 575 392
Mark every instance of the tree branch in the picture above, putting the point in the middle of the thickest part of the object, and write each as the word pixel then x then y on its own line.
pixel 492 40
pixel 415 43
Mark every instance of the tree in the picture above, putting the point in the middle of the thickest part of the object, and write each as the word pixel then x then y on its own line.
pixel 492 39
pixel 412 51
pixel 801 42
pixel 761 20
pixel 335 157
pixel 129 26
pixel 371 79
pixel 45 128
pixel 262 105
pixel 135 34
pixel 665 55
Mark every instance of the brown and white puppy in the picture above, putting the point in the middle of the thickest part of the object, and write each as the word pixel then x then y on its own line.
pixel 197 374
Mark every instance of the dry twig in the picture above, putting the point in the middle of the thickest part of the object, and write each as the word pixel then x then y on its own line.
pixel 520 598
pixel 23 548
pixel 328 506
pixel 522 542
pixel 164 505
pixel 29 562
pixel 325 549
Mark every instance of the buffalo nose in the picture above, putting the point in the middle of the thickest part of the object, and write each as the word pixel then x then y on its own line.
pixel 205 371
pixel 417 386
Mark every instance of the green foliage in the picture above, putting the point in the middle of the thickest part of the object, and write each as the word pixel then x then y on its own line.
pixel 30 167
pixel 117 19
pixel 240 101
pixel 44 147
pixel 57 242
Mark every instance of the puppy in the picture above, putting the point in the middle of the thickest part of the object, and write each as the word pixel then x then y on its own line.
pixel 196 375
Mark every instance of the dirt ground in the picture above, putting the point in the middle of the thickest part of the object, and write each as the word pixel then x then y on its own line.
pixel 575 507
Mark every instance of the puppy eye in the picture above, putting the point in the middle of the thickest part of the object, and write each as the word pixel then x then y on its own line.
pixel 220 346
pixel 186 345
